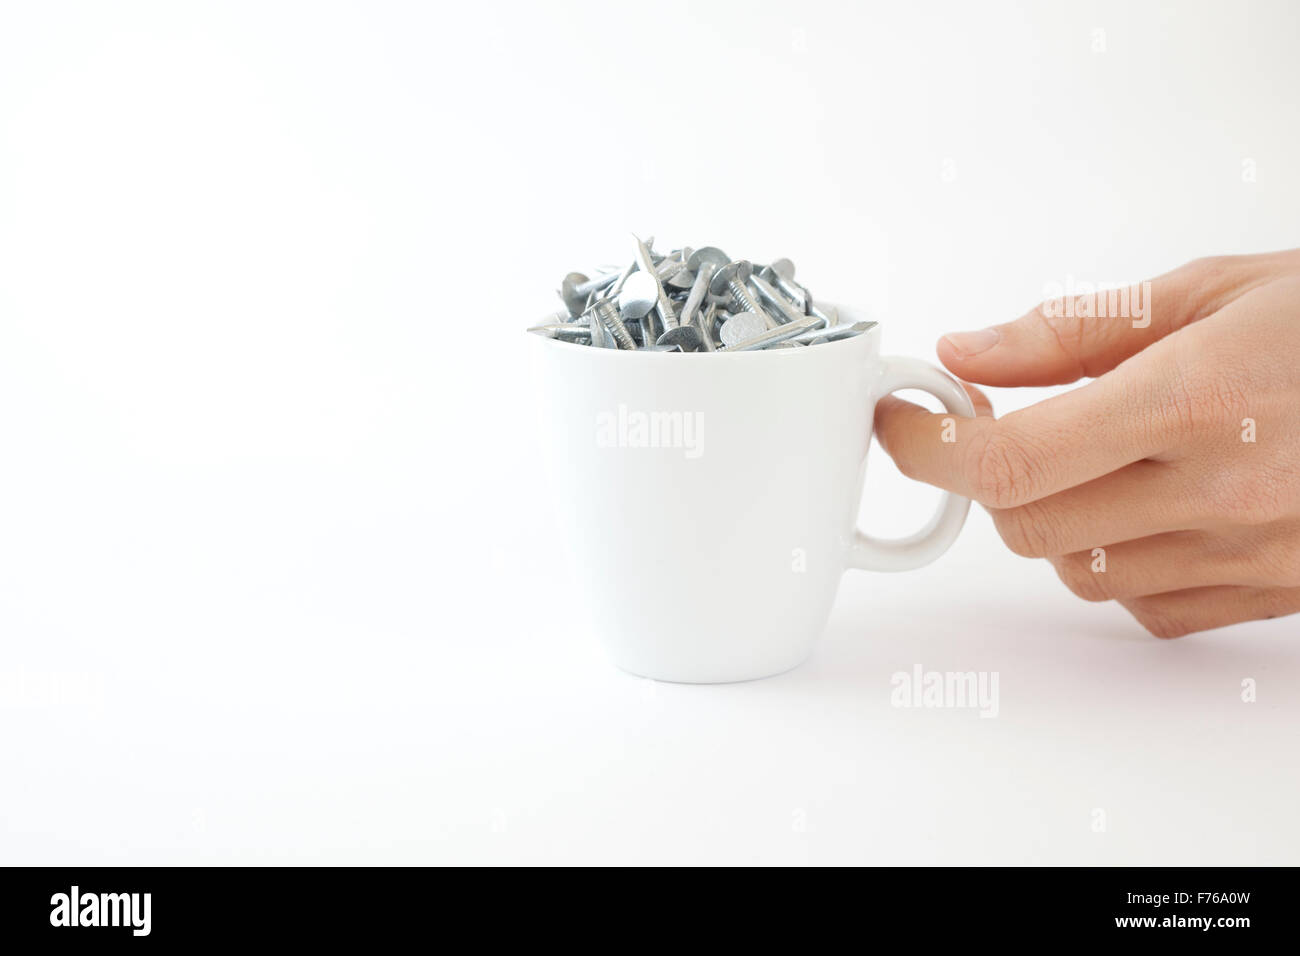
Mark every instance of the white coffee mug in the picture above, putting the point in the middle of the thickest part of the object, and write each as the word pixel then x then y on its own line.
pixel 712 497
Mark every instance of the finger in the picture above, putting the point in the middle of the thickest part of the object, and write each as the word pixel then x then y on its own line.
pixel 983 407
pixel 1063 340
pixel 1036 451
pixel 1181 560
pixel 1177 613
pixel 1142 499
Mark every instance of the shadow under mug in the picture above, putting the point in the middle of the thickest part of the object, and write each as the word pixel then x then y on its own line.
pixel 712 498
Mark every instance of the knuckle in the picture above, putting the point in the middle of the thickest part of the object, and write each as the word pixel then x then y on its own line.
pixel 1279 602
pixel 1025 531
pixel 1282 564
pixel 1078 327
pixel 999 469
pixel 1203 278
pixel 1208 266
pixel 1066 325
pixel 1010 528
pixel 1196 287
pixel 1157 621
pixel 1075 572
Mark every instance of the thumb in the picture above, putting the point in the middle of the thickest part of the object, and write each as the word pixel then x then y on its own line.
pixel 1064 340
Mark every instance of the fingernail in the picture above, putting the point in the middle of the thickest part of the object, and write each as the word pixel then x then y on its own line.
pixel 967 344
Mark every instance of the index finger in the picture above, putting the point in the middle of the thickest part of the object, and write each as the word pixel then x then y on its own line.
pixel 1029 454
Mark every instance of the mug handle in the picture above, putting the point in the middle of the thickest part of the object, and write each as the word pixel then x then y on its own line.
pixel 919 549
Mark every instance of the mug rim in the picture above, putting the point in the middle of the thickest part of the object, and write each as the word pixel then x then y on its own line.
pixel 873 332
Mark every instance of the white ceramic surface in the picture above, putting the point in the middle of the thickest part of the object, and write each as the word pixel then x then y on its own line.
pixel 712 497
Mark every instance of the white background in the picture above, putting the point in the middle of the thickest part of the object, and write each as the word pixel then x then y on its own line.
pixel 278 576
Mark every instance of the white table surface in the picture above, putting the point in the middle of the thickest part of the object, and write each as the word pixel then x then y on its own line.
pixel 278 578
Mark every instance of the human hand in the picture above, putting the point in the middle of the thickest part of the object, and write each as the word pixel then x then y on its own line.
pixel 1180 462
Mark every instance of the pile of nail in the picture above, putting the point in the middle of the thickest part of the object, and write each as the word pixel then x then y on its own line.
pixel 693 300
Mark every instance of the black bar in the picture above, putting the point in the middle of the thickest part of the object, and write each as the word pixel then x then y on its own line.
pixel 373 906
